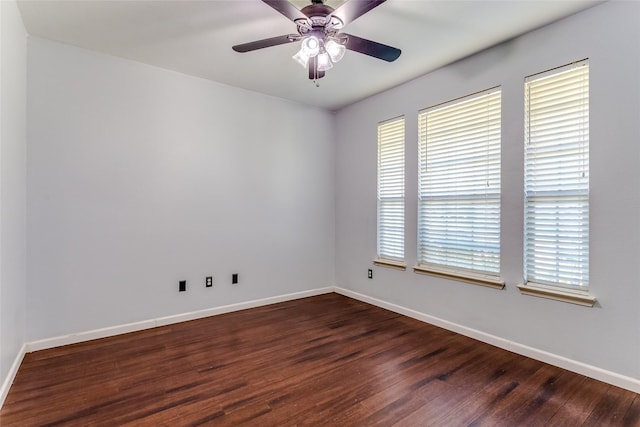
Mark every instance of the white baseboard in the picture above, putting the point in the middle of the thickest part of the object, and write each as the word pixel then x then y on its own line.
pixel 590 371
pixel 11 375
pixel 167 320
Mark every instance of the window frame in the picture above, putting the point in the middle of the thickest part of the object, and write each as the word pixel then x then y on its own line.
pixel 391 190
pixel 463 109
pixel 557 198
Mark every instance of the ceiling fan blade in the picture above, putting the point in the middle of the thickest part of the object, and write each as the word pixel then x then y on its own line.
pixel 286 8
pixel 260 44
pixel 351 10
pixel 371 48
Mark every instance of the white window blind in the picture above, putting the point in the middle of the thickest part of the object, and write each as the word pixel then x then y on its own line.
pixel 557 177
pixel 391 189
pixel 459 187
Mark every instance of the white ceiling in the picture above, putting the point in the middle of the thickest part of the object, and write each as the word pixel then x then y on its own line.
pixel 195 37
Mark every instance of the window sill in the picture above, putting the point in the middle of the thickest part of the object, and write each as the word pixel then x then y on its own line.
pixel 573 297
pixel 398 265
pixel 475 279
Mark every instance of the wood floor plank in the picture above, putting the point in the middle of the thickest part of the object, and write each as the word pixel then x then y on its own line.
pixel 580 403
pixel 325 360
pixel 632 417
pixel 611 408
pixel 535 398
pixel 468 404
pixel 480 393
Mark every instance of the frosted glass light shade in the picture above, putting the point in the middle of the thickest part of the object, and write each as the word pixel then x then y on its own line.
pixel 310 46
pixel 301 59
pixel 324 62
pixel 335 50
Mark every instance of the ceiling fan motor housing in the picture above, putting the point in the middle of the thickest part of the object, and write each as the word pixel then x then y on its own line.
pixel 316 9
pixel 320 20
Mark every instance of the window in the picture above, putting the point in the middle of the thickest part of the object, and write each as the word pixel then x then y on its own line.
pixel 459 188
pixel 391 192
pixel 556 240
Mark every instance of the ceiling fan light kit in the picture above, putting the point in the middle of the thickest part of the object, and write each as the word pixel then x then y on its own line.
pixel 321 43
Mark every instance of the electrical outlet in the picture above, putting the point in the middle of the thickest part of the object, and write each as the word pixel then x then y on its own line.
pixel 234 279
pixel 370 274
pixel 182 285
pixel 208 281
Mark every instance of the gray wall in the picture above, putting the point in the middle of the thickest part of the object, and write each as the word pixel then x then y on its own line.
pixel 139 177
pixel 606 336
pixel 13 141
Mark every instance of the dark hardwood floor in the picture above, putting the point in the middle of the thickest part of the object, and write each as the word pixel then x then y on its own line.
pixel 325 361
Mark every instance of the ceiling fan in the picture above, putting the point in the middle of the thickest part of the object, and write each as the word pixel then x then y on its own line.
pixel 319 28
